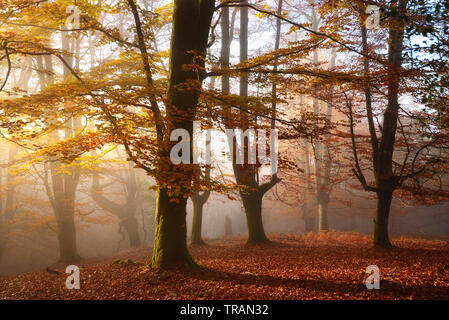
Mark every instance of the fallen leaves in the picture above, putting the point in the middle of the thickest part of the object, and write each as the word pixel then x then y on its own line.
pixel 313 266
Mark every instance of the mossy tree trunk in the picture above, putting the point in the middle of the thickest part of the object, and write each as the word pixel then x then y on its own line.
pixel 7 212
pixel 190 33
pixel 170 245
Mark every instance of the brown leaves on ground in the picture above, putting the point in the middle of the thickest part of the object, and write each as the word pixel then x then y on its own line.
pixel 312 266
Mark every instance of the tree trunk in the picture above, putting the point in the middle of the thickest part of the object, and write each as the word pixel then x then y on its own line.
pixel 318 150
pixel 2 224
pixel 386 181
pixel 309 224
pixel 67 236
pixel 190 34
pixel 8 211
pixel 305 214
pixel 325 186
pixel 64 185
pixel 64 189
pixel 247 175
pixel 243 82
pixel 323 203
pixel 196 238
pixel 227 226
pixel 381 221
pixel 131 226
pixel 252 203
pixel 2 247
pixel 170 246
pixel 125 212
pixel 199 199
pixel 225 49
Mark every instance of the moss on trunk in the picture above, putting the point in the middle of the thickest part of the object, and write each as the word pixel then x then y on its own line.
pixel 190 35
pixel 170 246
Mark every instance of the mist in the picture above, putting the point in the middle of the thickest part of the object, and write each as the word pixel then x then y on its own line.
pixel 180 135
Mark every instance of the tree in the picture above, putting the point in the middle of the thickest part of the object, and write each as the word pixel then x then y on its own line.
pixel 64 184
pixel 190 33
pixel 8 210
pixel 390 171
pixel 321 152
pixel 126 212
pixel 198 200
pixel 246 175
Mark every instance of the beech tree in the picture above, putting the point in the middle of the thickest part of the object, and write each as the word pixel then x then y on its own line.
pixel 8 207
pixel 246 175
pixel 391 170
pixel 199 199
pixel 190 31
pixel 126 212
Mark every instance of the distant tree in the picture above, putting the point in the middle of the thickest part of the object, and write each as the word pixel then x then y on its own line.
pixel 199 199
pixel 126 212
pixel 247 175
pixel 8 206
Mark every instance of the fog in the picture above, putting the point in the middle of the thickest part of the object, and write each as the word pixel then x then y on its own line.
pixel 87 112
pixel 32 242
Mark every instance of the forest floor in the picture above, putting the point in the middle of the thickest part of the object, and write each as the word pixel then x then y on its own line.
pixel 312 266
